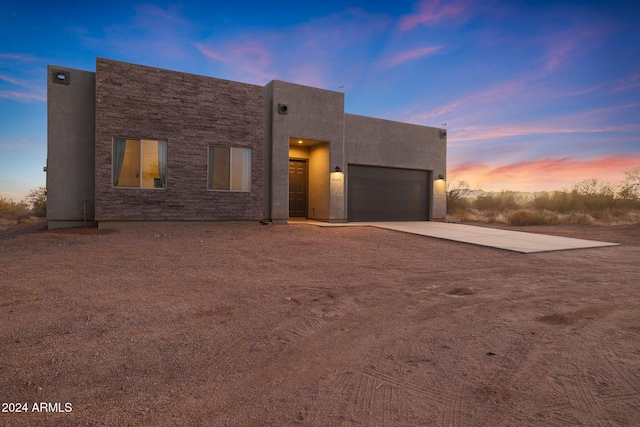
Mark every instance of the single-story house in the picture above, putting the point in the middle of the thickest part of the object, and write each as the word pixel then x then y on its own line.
pixel 135 144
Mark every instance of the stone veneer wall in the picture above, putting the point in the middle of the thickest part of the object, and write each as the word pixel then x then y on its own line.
pixel 190 112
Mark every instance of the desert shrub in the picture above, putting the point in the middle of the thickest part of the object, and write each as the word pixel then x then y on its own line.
pixel 557 201
pixel 541 200
pixel 11 210
pixel 591 201
pixel 503 201
pixel 523 217
pixel 465 215
pixel 457 192
pixel 594 195
pixel 578 218
pixel 37 198
pixel 629 188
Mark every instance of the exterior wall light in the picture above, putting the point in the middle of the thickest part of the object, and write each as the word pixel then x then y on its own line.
pixel 440 176
pixel 337 169
pixel 61 77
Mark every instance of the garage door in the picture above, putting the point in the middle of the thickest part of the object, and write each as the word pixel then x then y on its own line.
pixel 387 194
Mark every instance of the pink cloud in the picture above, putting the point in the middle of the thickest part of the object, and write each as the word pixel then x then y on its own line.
pixel 22 96
pixel 408 55
pixel 431 12
pixel 627 83
pixel 18 57
pixel 31 91
pixel 507 90
pixel 157 17
pixel 561 49
pixel 310 52
pixel 559 54
pixel 543 174
pixel 250 58
pixel 13 80
pixel 476 133
pixel 210 53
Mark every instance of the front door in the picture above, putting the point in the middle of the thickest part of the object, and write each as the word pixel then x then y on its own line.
pixel 297 188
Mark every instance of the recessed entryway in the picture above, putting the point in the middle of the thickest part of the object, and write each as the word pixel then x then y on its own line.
pixel 309 174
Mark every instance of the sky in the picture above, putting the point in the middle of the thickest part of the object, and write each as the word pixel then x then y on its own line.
pixel 535 95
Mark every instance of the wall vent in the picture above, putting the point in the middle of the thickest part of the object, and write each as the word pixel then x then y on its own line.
pixel 443 134
pixel 283 109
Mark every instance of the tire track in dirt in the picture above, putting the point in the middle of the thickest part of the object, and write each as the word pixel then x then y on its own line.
pixel 364 400
pixel 586 400
pixel 299 328
pixel 397 377
pixel 628 377
pixel 595 390
pixel 326 412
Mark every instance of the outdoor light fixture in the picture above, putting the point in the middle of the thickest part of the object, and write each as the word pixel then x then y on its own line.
pixel 338 169
pixel 61 77
pixel 440 176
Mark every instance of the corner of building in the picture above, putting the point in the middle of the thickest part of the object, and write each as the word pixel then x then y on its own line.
pixel 70 178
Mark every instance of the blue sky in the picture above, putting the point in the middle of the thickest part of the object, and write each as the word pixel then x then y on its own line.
pixel 536 95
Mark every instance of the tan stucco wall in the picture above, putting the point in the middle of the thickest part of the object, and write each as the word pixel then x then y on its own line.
pixel 377 142
pixel 70 148
pixel 314 114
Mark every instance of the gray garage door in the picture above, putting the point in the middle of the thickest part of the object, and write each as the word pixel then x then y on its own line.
pixel 387 194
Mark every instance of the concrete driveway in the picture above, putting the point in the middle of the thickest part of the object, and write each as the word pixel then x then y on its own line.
pixel 495 238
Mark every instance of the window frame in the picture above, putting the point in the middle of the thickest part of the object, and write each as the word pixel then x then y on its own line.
pixel 248 175
pixel 141 163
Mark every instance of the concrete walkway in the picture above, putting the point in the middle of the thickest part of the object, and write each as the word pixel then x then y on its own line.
pixel 495 238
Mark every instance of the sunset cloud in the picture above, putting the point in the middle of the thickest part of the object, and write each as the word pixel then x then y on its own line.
pixel 627 83
pixel 408 55
pixel 20 57
pixel 19 89
pixel 432 12
pixel 477 133
pixel 22 96
pixel 310 53
pixel 542 174
pixel 250 58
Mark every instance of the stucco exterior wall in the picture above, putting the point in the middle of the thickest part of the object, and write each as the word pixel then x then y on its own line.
pixel 377 142
pixel 191 113
pixel 311 113
pixel 70 147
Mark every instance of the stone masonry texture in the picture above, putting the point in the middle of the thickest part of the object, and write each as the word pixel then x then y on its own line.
pixel 191 113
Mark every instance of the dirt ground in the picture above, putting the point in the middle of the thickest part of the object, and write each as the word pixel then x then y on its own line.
pixel 251 325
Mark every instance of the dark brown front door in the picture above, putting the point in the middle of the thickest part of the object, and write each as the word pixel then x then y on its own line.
pixel 297 189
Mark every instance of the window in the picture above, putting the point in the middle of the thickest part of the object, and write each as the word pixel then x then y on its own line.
pixel 139 163
pixel 229 169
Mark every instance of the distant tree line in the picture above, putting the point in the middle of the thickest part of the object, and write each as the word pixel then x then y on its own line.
pixel 588 201
pixel 34 204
